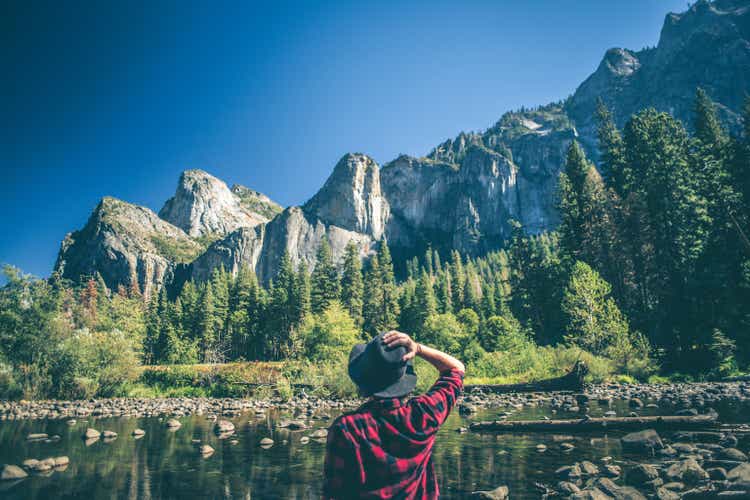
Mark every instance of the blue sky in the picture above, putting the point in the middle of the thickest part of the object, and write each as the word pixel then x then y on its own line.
pixel 105 99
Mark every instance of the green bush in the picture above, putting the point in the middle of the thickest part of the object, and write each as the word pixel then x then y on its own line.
pixel 328 335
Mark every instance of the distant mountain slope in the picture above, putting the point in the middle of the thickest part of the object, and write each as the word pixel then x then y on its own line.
pixel 461 196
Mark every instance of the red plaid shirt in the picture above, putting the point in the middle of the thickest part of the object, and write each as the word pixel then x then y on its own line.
pixel 384 448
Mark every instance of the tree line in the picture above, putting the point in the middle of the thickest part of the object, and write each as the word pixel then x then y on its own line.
pixel 649 267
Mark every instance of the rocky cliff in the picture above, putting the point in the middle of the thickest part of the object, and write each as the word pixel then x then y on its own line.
pixel 126 243
pixel 462 195
pixel 204 206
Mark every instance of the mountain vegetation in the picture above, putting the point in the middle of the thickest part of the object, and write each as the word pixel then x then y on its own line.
pixel 649 270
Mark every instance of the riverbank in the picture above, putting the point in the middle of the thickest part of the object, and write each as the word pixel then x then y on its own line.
pixel 678 398
pixel 667 464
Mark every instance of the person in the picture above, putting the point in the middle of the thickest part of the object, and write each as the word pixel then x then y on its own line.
pixel 384 448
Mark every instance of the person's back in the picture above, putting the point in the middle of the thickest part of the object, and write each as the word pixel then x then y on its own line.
pixel 384 448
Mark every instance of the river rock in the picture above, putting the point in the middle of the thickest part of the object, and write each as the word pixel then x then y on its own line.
pixel 646 441
pixel 567 488
pixel 30 463
pixel 109 434
pixel 37 436
pixel 688 471
pixel 61 461
pixel 91 433
pixel 589 468
pixel 732 454
pixel 641 474
pixel 618 492
pixel 223 426
pixel 499 493
pixel 266 442
pixel 590 494
pixel 665 494
pixel 173 423
pixel 304 440
pixel 740 476
pixel 138 432
pixel 206 450
pixel 319 433
pixel 10 472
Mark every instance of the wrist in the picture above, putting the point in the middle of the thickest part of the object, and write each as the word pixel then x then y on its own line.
pixel 419 349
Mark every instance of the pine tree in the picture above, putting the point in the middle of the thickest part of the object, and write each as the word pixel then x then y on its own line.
pixel 372 302
pixel 206 321
pixel 352 285
pixel 612 152
pixel 457 281
pixel 707 126
pixel 389 305
pixel 325 280
pixel 425 298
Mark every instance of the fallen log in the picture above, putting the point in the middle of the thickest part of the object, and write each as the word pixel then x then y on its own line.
pixel 670 422
pixel 571 381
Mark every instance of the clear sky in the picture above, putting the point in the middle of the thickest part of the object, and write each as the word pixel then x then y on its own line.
pixel 117 98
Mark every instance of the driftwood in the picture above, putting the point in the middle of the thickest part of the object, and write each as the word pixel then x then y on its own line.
pixel 598 424
pixel 571 381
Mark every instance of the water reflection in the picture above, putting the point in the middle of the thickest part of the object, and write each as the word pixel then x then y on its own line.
pixel 169 464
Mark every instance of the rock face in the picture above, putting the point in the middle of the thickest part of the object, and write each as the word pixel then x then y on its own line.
pixel 462 196
pixel 204 206
pixel 126 243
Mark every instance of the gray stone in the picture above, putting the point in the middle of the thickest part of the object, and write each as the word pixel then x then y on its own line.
pixel 499 493
pixel 10 472
pixel 646 441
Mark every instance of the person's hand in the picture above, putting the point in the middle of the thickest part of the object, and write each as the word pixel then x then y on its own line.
pixel 393 339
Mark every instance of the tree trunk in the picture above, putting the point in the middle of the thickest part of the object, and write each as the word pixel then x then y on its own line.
pixel 598 424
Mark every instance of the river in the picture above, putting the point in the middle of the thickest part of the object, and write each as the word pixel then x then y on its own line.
pixel 167 464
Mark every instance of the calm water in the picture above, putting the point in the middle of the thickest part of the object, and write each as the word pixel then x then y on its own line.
pixel 165 464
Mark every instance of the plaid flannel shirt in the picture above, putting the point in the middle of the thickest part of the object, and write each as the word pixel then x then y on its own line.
pixel 384 448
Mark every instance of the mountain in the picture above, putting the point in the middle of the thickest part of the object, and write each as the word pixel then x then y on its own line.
pixel 204 206
pixel 462 195
pixel 125 242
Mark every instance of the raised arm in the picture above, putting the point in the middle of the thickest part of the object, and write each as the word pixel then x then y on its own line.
pixel 442 361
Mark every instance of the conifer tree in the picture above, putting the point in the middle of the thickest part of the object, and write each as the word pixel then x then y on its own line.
pixel 352 286
pixel 325 280
pixel 425 298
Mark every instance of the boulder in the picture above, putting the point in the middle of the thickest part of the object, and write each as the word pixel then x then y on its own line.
pixel 641 474
pixel 91 433
pixel 10 472
pixel 688 471
pixel 223 426
pixel 499 493
pixel 646 441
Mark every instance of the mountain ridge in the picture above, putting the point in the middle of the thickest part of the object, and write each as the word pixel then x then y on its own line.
pixel 464 192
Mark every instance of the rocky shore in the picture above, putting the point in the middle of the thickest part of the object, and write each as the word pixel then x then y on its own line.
pixel 668 464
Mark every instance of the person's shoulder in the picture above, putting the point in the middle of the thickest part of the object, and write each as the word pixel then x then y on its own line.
pixel 346 419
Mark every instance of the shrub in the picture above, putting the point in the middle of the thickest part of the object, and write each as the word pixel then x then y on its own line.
pixel 328 335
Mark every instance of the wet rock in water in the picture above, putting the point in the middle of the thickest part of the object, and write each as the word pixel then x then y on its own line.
pixel 641 474
pixel 567 447
pixel 44 465
pixel 635 403
pixel 266 442
pixel 688 471
pixel 499 493
pixel 462 430
pixel 740 476
pixel 173 424
pixel 717 473
pixel 304 440
pixel 61 461
pixel 732 454
pixel 569 472
pixel 590 494
pixel 206 450
pixel 10 472
pixel 30 463
pixel 541 448
pixel 91 433
pixel 589 468
pixel 665 494
pixel 71 421
pixel 688 412
pixel 37 436
pixel 234 442
pixel 567 488
pixel 646 441
pixel 138 432
pixel 613 470
pixel 619 492
pixel 683 447
pixel 109 434
pixel 223 426
pixel 610 414
pixel 320 433
pixel 674 486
